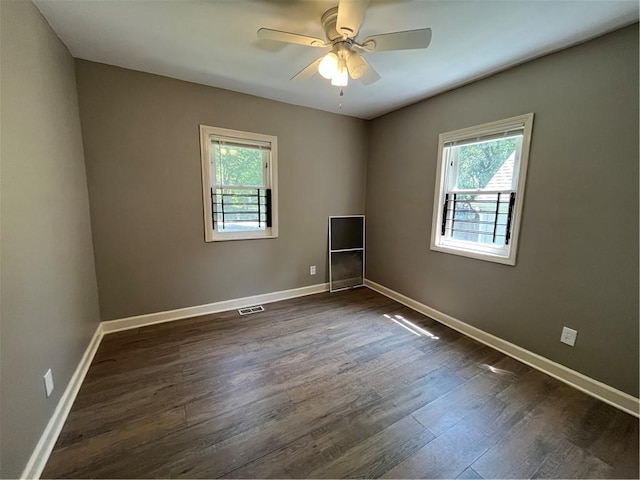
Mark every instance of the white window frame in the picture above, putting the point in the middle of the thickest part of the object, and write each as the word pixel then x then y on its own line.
pixel 250 139
pixel 502 254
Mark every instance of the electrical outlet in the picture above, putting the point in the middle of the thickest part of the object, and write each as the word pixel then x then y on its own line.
pixel 48 382
pixel 312 270
pixel 568 336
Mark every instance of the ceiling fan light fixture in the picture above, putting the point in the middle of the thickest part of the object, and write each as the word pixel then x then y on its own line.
pixel 341 78
pixel 328 67
pixel 356 65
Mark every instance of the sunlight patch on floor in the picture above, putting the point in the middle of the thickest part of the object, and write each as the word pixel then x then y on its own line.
pixel 497 370
pixel 412 327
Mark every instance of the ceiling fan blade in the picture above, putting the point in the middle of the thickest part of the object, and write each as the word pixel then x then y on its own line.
pixel 398 40
pixel 350 16
pixel 370 75
pixel 308 71
pixel 278 36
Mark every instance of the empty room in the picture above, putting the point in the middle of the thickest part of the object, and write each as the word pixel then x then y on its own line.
pixel 319 239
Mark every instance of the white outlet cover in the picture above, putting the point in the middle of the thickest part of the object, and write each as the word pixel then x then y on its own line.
pixel 312 270
pixel 48 382
pixel 569 336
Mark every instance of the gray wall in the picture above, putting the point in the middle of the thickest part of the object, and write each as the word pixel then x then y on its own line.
pixel 578 258
pixel 49 302
pixel 578 255
pixel 141 138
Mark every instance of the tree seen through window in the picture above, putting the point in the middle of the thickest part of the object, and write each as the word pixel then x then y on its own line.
pixel 479 162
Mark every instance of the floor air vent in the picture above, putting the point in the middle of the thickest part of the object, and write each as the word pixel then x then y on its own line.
pixel 249 310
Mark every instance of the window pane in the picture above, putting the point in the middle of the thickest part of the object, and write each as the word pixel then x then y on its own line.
pixel 240 210
pixel 237 165
pixel 479 218
pixel 485 165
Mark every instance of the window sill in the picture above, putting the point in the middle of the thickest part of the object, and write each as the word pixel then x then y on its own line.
pixel 230 237
pixel 486 256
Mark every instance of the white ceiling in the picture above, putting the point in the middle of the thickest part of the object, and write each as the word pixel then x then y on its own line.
pixel 213 42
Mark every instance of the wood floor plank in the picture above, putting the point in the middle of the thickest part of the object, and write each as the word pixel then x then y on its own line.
pixel 230 454
pixel 445 457
pixel 147 400
pixel 282 462
pixel 379 453
pixel 330 442
pixel 535 438
pixel 481 427
pixel 369 421
pixel 606 433
pixel 446 411
pixel 329 385
pixel 118 441
pixel 469 474
pixel 570 461
pixel 238 418
pixel 402 368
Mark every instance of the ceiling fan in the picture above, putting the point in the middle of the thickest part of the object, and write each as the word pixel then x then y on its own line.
pixel 341 25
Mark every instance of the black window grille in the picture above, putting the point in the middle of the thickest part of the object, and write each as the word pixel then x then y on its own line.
pixel 484 217
pixel 241 208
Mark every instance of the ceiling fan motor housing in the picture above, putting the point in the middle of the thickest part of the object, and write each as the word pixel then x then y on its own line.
pixel 329 19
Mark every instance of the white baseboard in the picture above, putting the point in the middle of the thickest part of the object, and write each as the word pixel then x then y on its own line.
pixel 599 390
pixel 111 326
pixel 48 439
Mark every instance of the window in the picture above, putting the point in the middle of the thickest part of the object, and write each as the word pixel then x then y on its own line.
pixel 480 188
pixel 238 184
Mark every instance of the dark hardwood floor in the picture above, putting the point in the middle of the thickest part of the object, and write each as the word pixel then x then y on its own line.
pixel 330 386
